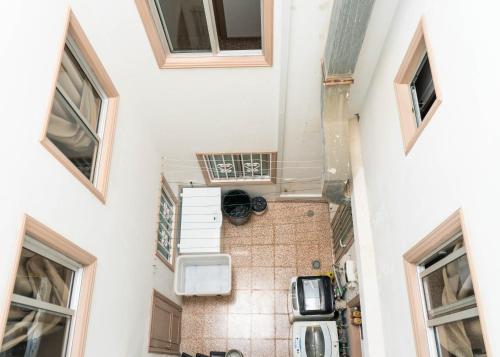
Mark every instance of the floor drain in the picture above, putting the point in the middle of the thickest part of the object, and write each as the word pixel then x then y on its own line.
pixel 310 213
pixel 316 264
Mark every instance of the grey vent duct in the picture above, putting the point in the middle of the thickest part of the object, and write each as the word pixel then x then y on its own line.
pixel 345 37
pixel 335 127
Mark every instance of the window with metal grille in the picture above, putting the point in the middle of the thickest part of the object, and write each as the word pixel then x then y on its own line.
pixel 450 303
pixel 165 248
pixel 342 230
pixel 43 306
pixel 240 167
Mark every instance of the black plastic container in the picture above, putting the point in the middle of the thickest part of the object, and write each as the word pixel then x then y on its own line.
pixel 237 206
pixel 259 205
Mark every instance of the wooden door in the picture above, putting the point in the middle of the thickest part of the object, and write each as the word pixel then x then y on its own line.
pixel 165 330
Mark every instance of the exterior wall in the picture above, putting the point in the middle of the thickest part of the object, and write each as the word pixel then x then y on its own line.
pixel 452 165
pixel 122 233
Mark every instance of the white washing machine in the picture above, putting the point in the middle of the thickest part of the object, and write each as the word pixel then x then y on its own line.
pixel 315 339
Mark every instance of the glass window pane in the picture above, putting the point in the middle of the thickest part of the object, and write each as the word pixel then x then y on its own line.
pixel 424 88
pixel 35 333
pixel 79 90
pixel 185 25
pixel 461 338
pixel 43 279
pixel 238 24
pixel 71 136
pixel 448 285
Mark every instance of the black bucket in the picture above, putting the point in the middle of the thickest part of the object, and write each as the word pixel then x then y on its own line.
pixel 237 206
pixel 259 205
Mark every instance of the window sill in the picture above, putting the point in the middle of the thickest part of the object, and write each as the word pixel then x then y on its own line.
pixel 51 148
pixel 215 62
pixel 166 262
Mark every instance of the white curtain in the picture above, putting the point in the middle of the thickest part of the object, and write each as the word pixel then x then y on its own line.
pixel 63 128
pixel 455 337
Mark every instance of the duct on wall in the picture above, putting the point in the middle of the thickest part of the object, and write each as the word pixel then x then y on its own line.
pixel 335 127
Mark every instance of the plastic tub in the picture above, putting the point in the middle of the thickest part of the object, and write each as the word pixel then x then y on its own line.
pixel 203 275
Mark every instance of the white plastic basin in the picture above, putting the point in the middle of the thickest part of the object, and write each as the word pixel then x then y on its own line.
pixel 203 275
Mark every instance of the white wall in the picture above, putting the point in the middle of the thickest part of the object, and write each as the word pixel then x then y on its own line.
pixel 121 234
pixel 452 165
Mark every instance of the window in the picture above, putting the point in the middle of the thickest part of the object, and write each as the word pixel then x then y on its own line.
pixel 209 33
pixel 165 245
pixel 242 167
pixel 51 293
pixel 450 302
pixel 80 126
pixel 417 93
pixel 165 331
pixel 442 296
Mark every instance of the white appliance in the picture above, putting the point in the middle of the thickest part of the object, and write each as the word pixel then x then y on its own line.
pixel 201 220
pixel 203 275
pixel 315 339
pixel 311 298
pixel 200 268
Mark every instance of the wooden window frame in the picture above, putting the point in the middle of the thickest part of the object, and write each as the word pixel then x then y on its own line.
pixel 210 182
pixel 166 187
pixel 413 257
pixel 151 348
pixel 46 236
pixel 166 60
pixel 418 47
pixel 99 186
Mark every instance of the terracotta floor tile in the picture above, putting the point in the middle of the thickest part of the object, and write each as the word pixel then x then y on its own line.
pixel 262 326
pixel 263 235
pixel 241 256
pixel 192 345
pixel 266 253
pixel 283 276
pixel 283 348
pixel 215 304
pixel 192 326
pixel 215 326
pixel 281 301
pixel 306 253
pixel 239 326
pixel 263 348
pixel 192 305
pixel 284 234
pixel 285 256
pixel 262 302
pixel 263 278
pixel 216 345
pixel 263 255
pixel 240 302
pixel 282 326
pixel 242 278
pixel 242 345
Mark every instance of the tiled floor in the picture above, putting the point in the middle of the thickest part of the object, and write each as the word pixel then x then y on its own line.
pixel 266 253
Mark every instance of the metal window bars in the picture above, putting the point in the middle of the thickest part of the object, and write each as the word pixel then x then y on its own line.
pixel 238 167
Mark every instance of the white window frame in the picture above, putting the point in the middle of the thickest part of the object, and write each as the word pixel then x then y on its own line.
pixel 162 28
pixel 99 134
pixel 69 312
